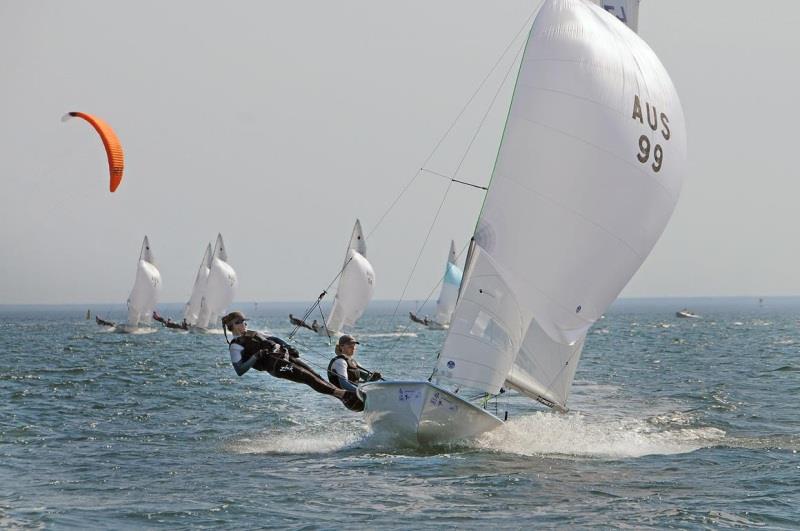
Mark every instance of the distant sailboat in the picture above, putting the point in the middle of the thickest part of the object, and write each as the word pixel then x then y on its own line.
pixel 192 309
pixel 447 297
pixel 587 175
pixel 220 287
pixel 355 288
pixel 144 295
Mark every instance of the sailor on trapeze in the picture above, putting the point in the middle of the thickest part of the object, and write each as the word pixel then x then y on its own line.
pixel 103 322
pixel 169 323
pixel 253 350
pixel 299 322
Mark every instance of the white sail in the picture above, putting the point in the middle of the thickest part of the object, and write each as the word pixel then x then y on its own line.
pixel 192 310
pixel 625 10
pixel 220 287
pixel 356 285
pixel 450 284
pixel 587 175
pixel 144 295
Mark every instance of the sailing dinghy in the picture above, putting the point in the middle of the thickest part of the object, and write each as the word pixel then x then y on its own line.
pixel 587 175
pixel 447 297
pixel 220 287
pixel 144 295
pixel 355 288
pixel 192 310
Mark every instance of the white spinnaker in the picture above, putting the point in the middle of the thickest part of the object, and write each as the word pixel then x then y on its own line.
pixel 192 310
pixel 587 175
pixel 356 285
pixel 144 295
pixel 220 286
pixel 355 289
pixel 450 284
pixel 625 10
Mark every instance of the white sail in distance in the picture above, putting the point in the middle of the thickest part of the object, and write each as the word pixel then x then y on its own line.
pixel 144 295
pixel 220 287
pixel 625 10
pixel 192 310
pixel 450 284
pixel 588 173
pixel 356 285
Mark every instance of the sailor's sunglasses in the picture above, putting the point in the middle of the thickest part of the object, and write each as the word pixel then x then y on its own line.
pixel 238 321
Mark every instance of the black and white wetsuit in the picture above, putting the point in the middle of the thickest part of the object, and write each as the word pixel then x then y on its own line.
pixel 275 357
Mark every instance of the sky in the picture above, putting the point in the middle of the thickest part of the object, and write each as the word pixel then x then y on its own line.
pixel 279 123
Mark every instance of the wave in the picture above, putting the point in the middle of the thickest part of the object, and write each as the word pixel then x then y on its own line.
pixel 296 442
pixel 579 435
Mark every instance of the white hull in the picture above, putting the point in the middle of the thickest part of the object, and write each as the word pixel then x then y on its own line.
pixel 423 413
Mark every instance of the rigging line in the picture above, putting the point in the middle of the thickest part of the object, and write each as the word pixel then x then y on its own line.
pixel 325 292
pixel 307 314
pixel 455 121
pixel 430 293
pixel 325 324
pixel 488 110
pixel 458 168
pixel 454 180
pixel 419 255
pixel 312 351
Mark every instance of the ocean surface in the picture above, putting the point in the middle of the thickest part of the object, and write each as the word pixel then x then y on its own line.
pixel 679 423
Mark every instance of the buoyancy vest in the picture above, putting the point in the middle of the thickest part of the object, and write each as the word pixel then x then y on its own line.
pixel 253 342
pixel 353 372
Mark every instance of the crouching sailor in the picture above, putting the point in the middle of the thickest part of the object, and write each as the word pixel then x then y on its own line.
pixel 253 350
pixel 345 373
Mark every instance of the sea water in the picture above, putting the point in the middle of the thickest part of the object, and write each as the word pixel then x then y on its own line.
pixel 686 423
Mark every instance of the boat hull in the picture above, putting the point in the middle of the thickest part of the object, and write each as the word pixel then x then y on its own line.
pixel 423 413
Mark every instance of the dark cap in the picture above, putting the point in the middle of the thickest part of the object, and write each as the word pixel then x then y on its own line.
pixel 231 317
pixel 347 340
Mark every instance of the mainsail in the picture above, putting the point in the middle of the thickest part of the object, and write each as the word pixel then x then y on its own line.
pixel 192 310
pixel 220 286
pixel 450 284
pixel 587 175
pixel 144 295
pixel 356 285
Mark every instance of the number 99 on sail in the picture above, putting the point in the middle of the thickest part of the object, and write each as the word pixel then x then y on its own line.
pixel 644 153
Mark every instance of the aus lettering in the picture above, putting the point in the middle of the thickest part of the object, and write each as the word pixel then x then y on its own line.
pixel 655 121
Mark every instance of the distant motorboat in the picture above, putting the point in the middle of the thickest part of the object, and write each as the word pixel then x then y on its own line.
pixel 687 314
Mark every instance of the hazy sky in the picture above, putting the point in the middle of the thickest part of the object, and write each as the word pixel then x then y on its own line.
pixel 279 123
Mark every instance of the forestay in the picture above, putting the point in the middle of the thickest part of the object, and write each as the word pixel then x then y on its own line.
pixel 144 295
pixel 587 175
pixel 356 285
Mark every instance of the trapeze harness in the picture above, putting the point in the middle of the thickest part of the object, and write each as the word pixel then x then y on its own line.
pixel 354 372
pixel 282 360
